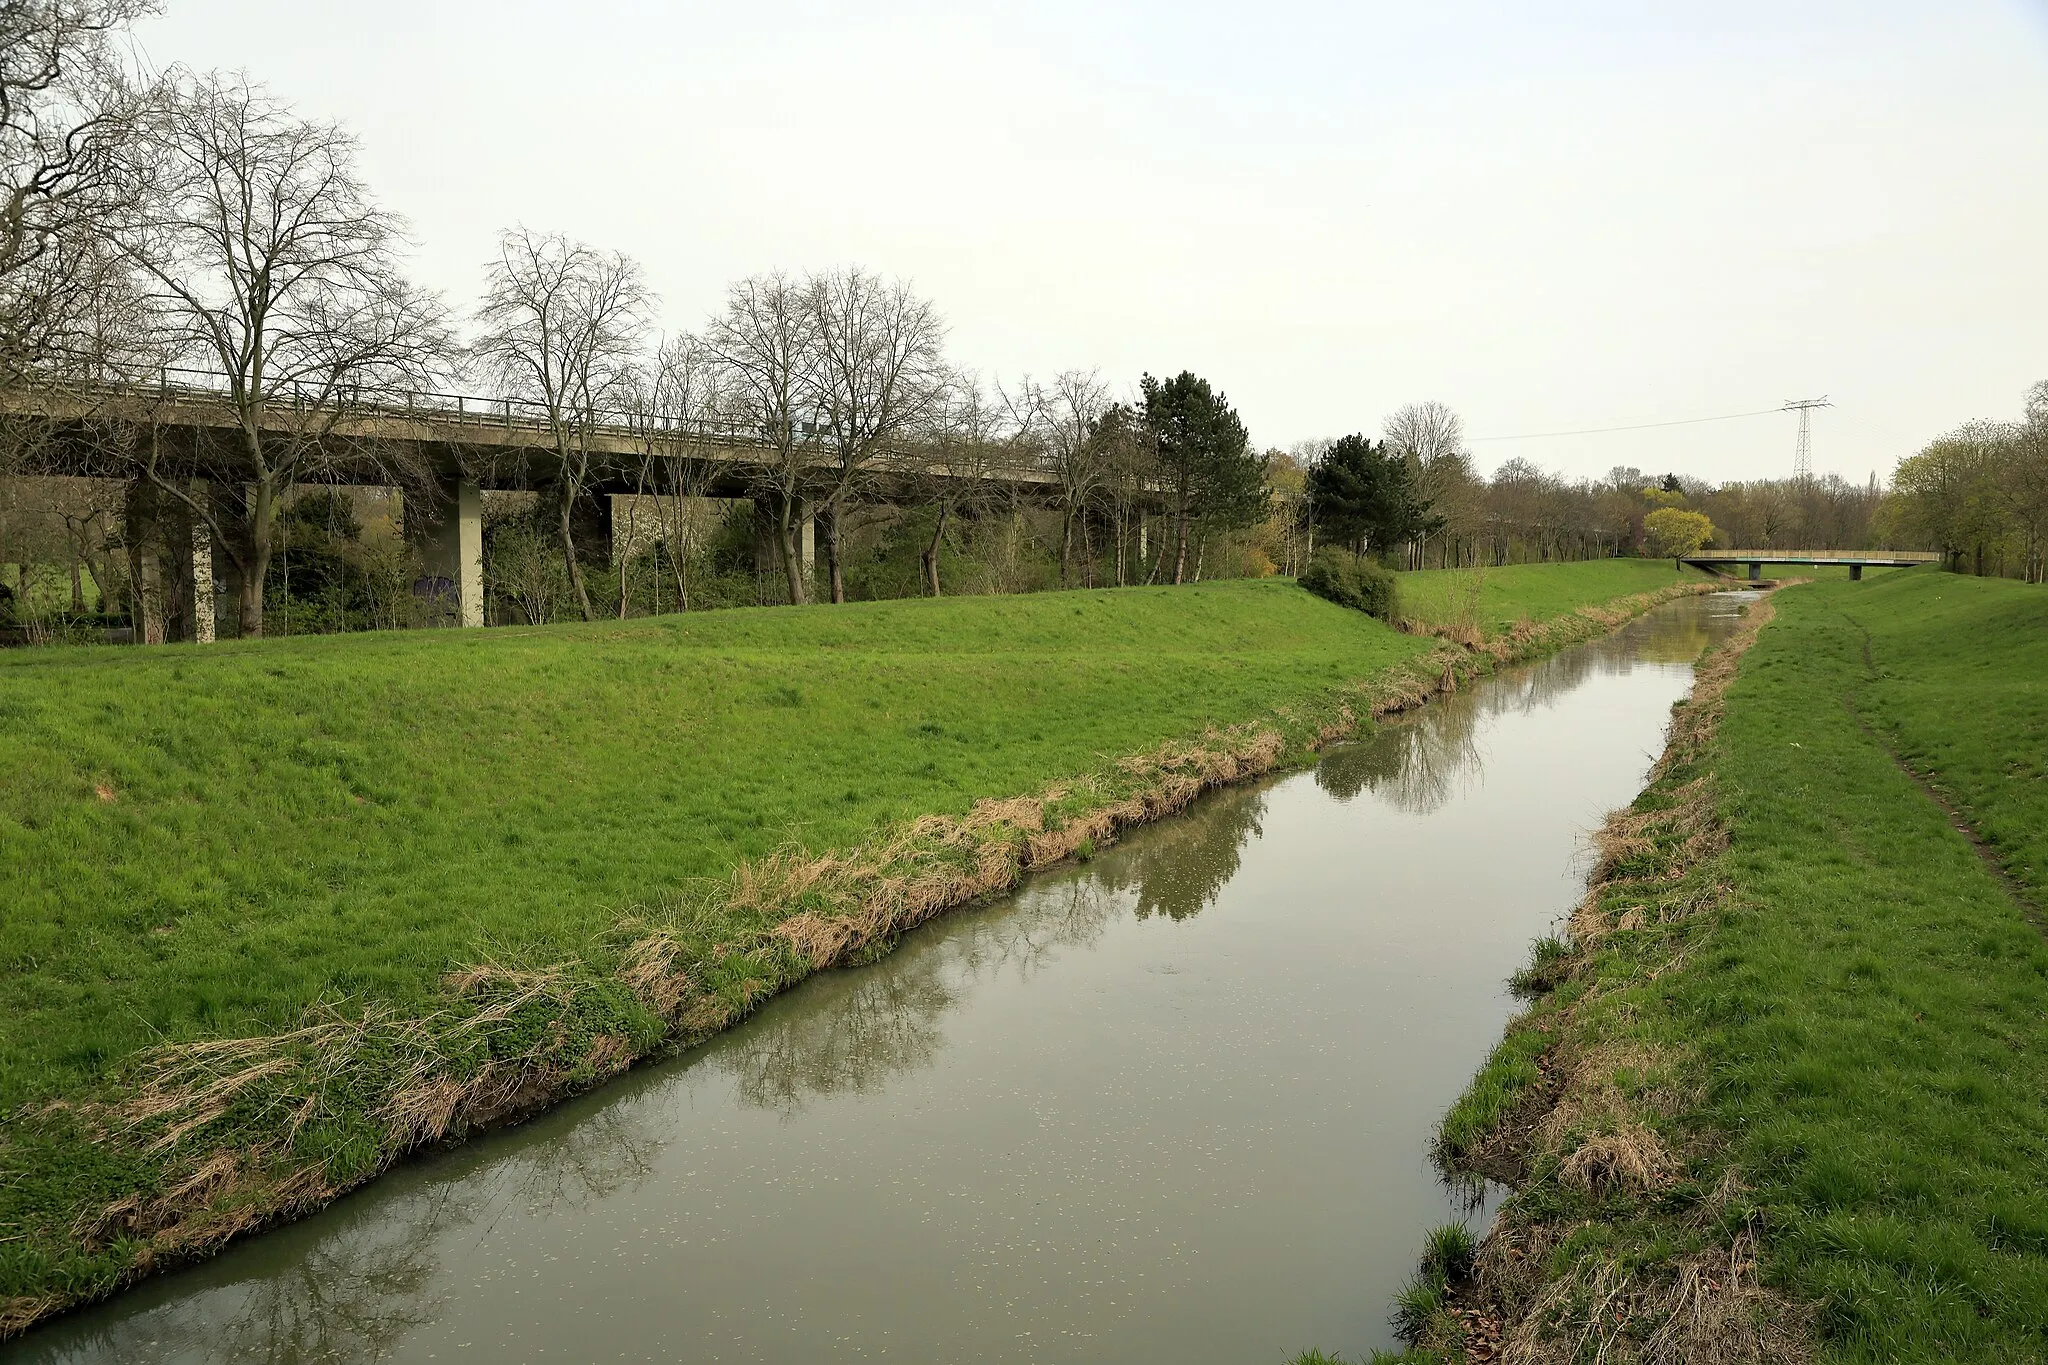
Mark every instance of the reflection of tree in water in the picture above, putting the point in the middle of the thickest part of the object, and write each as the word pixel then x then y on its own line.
pixel 1414 762
pixel 1179 866
pixel 352 1295
pixel 848 1030
pixel 1417 762
pixel 351 1285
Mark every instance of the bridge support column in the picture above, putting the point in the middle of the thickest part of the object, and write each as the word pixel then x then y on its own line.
pixel 1756 571
pixel 202 572
pixel 1855 573
pixel 450 537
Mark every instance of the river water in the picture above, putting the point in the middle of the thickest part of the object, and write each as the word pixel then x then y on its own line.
pixel 1173 1104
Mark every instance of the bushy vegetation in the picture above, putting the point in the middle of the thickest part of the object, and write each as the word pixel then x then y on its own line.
pixel 1354 581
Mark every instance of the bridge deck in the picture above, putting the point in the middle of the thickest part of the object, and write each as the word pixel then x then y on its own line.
pixel 1870 559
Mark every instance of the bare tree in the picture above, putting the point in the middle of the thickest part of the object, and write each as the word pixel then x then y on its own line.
pixel 563 324
pixel 765 346
pixel 1123 449
pixel 878 376
pixel 1062 415
pixel 1431 438
pixel 68 106
pixel 965 436
pixel 683 399
pixel 265 259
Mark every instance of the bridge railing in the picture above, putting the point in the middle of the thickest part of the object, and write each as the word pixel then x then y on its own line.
pixel 483 414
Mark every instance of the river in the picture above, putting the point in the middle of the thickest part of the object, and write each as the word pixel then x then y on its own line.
pixel 1171 1104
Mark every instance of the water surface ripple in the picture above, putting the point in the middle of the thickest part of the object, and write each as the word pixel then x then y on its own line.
pixel 1173 1104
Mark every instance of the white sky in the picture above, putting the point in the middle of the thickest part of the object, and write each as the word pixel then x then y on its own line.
pixel 1548 215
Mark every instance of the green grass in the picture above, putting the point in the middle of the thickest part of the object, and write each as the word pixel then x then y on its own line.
pixel 1532 592
pixel 1876 1017
pixel 1859 1026
pixel 204 843
pixel 353 815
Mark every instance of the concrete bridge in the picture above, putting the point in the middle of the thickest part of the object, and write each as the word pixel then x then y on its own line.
pixel 1856 560
pixel 468 443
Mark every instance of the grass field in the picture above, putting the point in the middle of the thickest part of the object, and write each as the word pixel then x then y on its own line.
pixel 208 843
pixel 1826 1041
pixel 1496 598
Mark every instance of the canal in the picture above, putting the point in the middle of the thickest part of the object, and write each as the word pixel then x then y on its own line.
pixel 1171 1104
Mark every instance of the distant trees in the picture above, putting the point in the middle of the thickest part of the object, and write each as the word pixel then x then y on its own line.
pixel 1980 493
pixel 1207 472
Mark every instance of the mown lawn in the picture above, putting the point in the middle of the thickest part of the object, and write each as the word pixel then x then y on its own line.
pixel 1869 1015
pixel 1876 1011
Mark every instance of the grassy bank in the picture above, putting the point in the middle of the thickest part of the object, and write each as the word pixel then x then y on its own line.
pixel 280 910
pixel 1782 1093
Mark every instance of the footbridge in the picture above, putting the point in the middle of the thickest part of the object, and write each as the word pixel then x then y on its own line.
pixel 1856 561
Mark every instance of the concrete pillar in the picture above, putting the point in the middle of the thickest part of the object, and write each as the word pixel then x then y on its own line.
pixel 451 543
pixel 202 573
pixel 1756 571
pixel 1855 573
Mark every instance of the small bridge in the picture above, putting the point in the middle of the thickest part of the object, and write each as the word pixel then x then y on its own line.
pixel 1856 561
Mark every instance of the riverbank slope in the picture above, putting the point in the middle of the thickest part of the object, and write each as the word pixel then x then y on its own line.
pixel 1782 1093
pixel 281 910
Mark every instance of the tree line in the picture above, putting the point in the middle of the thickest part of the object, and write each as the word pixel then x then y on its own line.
pixel 1979 494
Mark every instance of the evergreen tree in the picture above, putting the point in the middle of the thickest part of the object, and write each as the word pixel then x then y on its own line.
pixel 1365 496
pixel 1206 465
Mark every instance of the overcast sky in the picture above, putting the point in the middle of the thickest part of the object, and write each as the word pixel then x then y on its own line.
pixel 1551 216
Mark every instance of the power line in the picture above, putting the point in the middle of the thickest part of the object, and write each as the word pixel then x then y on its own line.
pixel 1639 426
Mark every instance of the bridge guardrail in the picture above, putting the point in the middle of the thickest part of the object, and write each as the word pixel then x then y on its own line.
pixel 506 413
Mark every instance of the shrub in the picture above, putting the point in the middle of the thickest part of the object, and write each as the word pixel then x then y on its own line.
pixel 1354 581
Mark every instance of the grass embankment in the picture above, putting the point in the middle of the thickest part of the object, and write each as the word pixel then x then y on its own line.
pixel 1783 1093
pixel 280 910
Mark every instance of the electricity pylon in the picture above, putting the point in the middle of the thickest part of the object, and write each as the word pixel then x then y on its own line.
pixel 1802 458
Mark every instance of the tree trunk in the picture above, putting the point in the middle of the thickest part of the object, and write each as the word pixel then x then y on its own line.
pixel 785 545
pixel 262 542
pixel 77 589
pixel 566 502
pixel 1066 539
pixel 832 564
pixel 1180 549
pixel 1087 555
pixel 931 553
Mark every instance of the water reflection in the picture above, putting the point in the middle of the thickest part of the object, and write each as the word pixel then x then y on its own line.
pixel 1423 759
pixel 1184 864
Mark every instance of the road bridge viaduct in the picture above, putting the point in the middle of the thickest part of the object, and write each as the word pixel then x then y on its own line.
pixel 465 444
